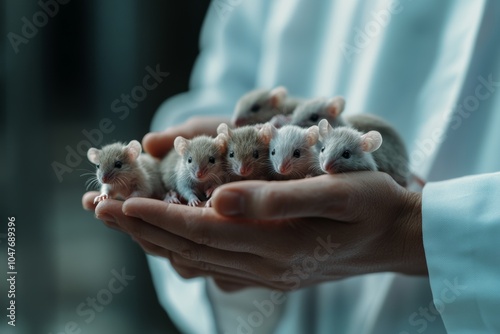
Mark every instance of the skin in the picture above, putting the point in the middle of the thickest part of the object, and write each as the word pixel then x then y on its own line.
pixel 245 238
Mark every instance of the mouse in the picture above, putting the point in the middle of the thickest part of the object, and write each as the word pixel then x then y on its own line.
pixel 392 157
pixel 292 151
pixel 347 149
pixel 124 172
pixel 310 112
pixel 194 169
pixel 260 105
pixel 247 152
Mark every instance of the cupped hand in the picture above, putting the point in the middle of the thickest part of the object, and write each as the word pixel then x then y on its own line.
pixel 283 235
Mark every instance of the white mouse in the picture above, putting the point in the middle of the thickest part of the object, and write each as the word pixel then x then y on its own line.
pixel 292 151
pixel 260 105
pixel 247 152
pixel 346 149
pixel 194 168
pixel 123 172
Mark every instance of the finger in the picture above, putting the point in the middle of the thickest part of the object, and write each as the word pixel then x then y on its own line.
pixel 189 250
pixel 324 196
pixel 88 200
pixel 228 286
pixel 159 143
pixel 190 269
pixel 112 225
pixel 109 210
pixel 204 226
pixel 258 279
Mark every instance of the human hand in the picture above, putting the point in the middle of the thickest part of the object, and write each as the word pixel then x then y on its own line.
pixel 285 235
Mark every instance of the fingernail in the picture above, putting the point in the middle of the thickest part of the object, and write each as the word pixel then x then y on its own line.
pixel 106 217
pixel 230 203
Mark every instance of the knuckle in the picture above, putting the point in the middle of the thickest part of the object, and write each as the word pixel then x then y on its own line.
pixel 268 203
pixel 203 266
pixel 191 253
pixel 199 234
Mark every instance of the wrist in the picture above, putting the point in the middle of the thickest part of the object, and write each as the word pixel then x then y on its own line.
pixel 412 242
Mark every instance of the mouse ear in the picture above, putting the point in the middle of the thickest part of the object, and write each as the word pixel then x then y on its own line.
pixel 277 96
pixel 93 155
pixel 224 128
pixel 133 149
pixel 371 141
pixel 335 106
pixel 324 129
pixel 267 132
pixel 181 144
pixel 221 142
pixel 312 135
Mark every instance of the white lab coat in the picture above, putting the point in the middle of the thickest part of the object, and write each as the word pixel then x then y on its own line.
pixel 432 68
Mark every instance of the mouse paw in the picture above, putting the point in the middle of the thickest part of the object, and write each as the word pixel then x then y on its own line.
pixel 208 204
pixel 194 202
pixel 209 191
pixel 100 198
pixel 171 197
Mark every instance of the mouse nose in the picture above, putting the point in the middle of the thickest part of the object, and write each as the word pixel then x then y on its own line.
pixel 284 168
pixel 245 171
pixel 106 178
pixel 329 167
pixel 238 122
pixel 199 174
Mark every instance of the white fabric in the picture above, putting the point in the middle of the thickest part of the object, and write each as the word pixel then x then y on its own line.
pixel 432 68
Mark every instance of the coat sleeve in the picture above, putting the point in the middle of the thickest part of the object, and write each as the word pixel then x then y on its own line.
pixel 461 231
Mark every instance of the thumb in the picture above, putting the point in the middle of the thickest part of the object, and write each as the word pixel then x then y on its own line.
pixel 323 196
pixel 159 143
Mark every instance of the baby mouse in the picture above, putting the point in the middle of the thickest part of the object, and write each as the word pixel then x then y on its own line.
pixel 247 152
pixel 311 112
pixel 260 105
pixel 194 168
pixel 124 172
pixel 347 149
pixel 292 151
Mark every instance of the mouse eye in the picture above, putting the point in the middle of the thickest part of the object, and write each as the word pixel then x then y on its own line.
pixel 255 108
pixel 211 160
pixel 190 160
pixel 322 149
pixel 231 154
pixel 98 166
pixel 256 154
pixel 273 152
pixel 314 117
pixel 118 164
pixel 296 153
pixel 346 154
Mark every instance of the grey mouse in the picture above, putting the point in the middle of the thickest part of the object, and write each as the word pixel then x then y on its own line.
pixel 260 105
pixel 347 149
pixel 194 168
pixel 312 111
pixel 123 172
pixel 247 152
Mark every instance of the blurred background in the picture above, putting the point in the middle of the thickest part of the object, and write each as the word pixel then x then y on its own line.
pixel 66 66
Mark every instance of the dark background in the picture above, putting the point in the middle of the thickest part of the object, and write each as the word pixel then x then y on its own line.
pixel 60 82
